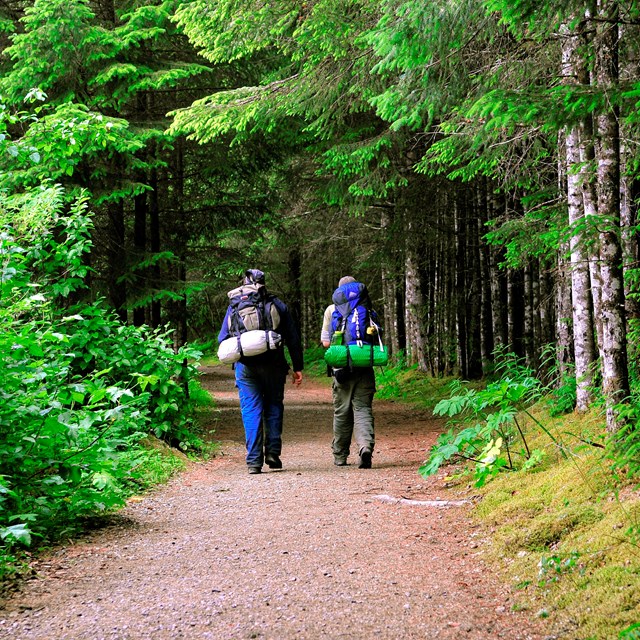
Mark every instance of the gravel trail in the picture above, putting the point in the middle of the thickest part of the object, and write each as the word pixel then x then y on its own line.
pixel 310 552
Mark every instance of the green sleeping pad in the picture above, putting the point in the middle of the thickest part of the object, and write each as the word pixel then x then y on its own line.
pixel 356 356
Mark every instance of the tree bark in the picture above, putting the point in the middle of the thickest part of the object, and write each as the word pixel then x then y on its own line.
pixel 473 275
pixel 615 379
pixel 582 306
pixel 414 303
pixel 515 305
pixel 499 293
pixel 487 343
pixel 389 286
pixel 116 255
pixel 140 247
pixel 460 284
pixel 582 310
pixel 154 238
pixel 180 331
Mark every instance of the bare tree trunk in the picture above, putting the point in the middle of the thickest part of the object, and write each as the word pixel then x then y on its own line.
pixel 473 275
pixel 154 238
pixel 538 340
pixel 180 305
pixel 499 295
pixel 414 304
pixel 528 311
pixel 389 289
pixel 295 275
pixel 587 181
pixel 564 314
pixel 485 283
pixel 515 296
pixel 562 287
pixel 614 346
pixel 460 284
pixel 628 222
pixel 584 346
pixel 116 256
pixel 547 308
pixel 140 247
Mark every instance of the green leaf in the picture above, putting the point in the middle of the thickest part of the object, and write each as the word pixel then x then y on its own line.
pixel 17 532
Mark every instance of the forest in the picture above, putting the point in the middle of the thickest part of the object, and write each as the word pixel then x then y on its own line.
pixel 474 162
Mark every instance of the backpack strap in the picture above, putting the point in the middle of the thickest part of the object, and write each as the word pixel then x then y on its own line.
pixel 240 351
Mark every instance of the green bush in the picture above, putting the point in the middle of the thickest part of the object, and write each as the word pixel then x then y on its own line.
pixel 78 389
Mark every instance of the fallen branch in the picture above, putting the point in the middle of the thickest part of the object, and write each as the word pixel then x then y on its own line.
pixel 421 503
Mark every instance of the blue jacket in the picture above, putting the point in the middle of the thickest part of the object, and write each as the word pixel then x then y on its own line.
pixel 286 328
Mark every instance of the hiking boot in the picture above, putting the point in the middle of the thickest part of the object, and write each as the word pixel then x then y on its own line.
pixel 253 470
pixel 273 461
pixel 365 459
pixel 339 462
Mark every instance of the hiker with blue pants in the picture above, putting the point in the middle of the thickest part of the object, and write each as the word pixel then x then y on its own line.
pixel 260 380
pixel 352 390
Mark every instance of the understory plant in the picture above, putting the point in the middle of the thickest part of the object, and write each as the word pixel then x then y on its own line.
pixel 485 425
pixel 79 390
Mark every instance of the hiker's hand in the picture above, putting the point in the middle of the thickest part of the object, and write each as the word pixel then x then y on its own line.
pixel 296 378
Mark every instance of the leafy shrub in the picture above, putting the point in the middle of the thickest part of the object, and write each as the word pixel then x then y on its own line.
pixel 493 438
pixel 78 389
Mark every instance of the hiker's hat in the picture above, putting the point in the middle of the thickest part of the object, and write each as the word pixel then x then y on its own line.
pixel 253 276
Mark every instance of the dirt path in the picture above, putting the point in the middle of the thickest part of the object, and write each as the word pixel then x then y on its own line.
pixel 309 552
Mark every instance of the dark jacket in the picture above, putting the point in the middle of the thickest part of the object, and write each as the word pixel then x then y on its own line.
pixel 286 328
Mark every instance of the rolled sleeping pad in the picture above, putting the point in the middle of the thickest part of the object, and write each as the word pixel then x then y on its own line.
pixel 249 343
pixel 365 355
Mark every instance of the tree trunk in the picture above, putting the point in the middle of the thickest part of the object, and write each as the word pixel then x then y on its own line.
pixel 180 306
pixel 154 233
pixel 614 347
pixel 628 223
pixel 140 247
pixel 116 255
pixel 485 284
pixel 515 310
pixel 528 312
pixel 498 278
pixel 389 287
pixel 564 315
pixel 582 311
pixel 295 301
pixel 460 284
pixel 473 275
pixel 414 304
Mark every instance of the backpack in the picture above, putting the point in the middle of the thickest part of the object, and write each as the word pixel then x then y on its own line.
pixel 355 332
pixel 353 315
pixel 252 308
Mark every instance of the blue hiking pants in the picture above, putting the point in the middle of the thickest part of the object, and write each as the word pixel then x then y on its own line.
pixel 261 390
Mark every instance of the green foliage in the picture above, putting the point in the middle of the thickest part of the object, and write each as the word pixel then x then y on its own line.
pixel 314 363
pixel 419 49
pixel 624 449
pixel 556 565
pixel 494 440
pixel 632 632
pixel 79 389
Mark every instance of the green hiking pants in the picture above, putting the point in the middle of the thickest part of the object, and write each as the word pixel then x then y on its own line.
pixel 352 412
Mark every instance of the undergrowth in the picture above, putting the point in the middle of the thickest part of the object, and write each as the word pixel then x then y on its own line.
pixel 559 499
pixel 565 535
